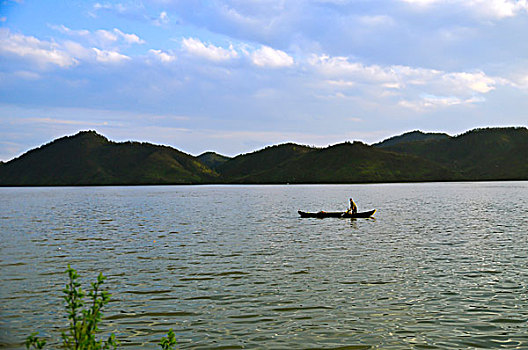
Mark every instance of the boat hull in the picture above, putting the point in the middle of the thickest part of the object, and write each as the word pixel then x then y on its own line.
pixel 336 214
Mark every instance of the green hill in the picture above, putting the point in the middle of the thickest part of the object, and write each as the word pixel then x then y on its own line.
pixel 411 137
pixel 88 158
pixel 251 164
pixel 480 154
pixel 212 160
pixel 342 163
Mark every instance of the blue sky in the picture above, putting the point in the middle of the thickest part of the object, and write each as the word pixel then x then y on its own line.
pixel 234 76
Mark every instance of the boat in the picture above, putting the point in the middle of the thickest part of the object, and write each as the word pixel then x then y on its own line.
pixel 336 214
pixel 365 214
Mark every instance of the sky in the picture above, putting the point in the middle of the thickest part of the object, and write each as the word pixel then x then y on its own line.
pixel 234 76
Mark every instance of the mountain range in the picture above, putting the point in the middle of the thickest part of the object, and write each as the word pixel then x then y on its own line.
pixel 89 158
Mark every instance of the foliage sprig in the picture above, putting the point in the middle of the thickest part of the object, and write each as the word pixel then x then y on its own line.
pixel 84 320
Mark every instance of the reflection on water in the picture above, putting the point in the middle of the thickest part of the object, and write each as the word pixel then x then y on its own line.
pixel 442 266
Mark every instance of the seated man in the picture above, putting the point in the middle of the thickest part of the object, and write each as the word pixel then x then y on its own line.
pixel 353 207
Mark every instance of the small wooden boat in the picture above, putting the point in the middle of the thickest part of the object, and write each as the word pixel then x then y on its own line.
pixel 336 214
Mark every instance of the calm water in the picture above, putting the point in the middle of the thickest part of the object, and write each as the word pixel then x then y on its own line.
pixel 441 266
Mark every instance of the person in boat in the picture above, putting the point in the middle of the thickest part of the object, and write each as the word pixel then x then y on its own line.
pixel 353 207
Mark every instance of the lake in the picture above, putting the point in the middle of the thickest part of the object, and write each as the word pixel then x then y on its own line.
pixel 442 265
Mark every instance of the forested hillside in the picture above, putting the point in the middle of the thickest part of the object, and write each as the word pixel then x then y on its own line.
pixel 88 158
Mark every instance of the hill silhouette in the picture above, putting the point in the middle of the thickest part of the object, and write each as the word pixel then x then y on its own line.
pixel 248 166
pixel 341 163
pixel 480 154
pixel 411 136
pixel 212 160
pixel 88 158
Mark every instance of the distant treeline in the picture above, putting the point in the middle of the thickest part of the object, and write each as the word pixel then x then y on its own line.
pixel 88 158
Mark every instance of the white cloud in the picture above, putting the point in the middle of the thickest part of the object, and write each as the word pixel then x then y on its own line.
pixel 432 102
pixel 392 86
pixel 77 50
pixel 99 6
pixel 119 8
pixel 422 2
pixel 46 53
pixel 105 56
pixel 410 87
pixel 401 77
pixel 129 38
pixel 341 83
pixel 268 57
pixel 497 9
pixel 210 52
pixel 245 16
pixel 477 82
pixel 65 30
pixel 43 53
pixel 101 36
pixel 162 19
pixel 68 53
pixel 164 57
pixel 520 80
pixel 106 36
pixel 94 54
pixel 342 67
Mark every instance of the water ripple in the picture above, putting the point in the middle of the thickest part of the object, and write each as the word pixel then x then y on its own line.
pixel 442 266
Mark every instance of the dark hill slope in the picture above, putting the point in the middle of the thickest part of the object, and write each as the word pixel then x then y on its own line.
pixel 412 137
pixel 344 163
pixel 88 158
pixel 212 160
pixel 480 154
pixel 261 161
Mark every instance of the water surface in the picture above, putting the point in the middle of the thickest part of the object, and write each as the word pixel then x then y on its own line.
pixel 443 265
